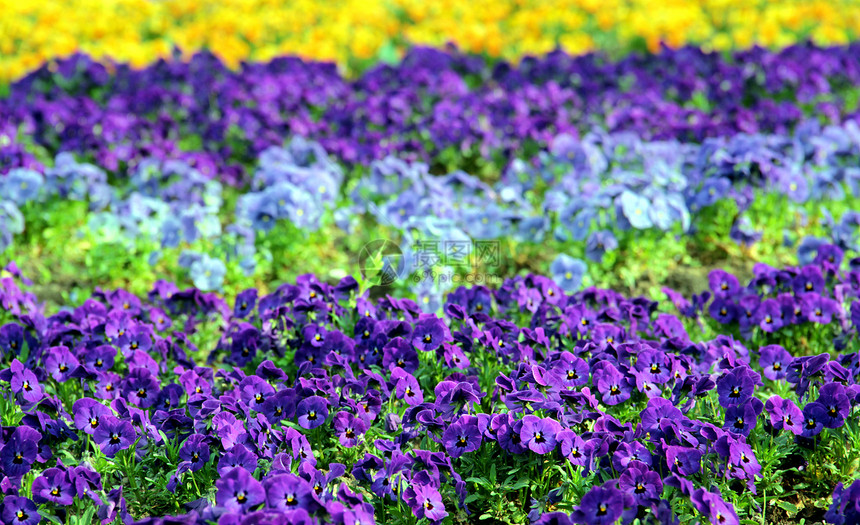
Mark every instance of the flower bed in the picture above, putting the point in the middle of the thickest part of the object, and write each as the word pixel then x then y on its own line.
pixel 316 403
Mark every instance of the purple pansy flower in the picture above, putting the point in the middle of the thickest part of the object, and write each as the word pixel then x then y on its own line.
pixel 611 384
pixel 288 492
pixel 113 435
pixel 462 436
pixel 312 411
pixel 785 414
pixel 774 361
pixel 348 428
pixel 54 486
pixel 601 505
pixel 429 333
pixel 19 511
pixel 539 434
pixel 20 451
pixel 88 413
pixel 735 387
pixel 238 490
pixel 426 502
pixel 195 450
pixel 60 363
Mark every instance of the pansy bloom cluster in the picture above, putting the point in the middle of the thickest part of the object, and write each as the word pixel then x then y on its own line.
pixel 377 282
pixel 442 107
pixel 592 196
pixel 317 404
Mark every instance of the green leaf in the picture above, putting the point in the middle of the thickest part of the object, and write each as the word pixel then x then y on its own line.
pixel 484 482
pixel 788 507
pixel 521 484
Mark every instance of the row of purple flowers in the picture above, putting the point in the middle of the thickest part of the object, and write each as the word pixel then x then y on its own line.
pixel 433 101
pixel 120 371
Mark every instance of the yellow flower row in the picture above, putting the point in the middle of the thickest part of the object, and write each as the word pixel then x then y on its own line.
pixel 352 31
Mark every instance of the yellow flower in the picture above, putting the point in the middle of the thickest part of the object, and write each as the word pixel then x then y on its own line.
pixel 354 31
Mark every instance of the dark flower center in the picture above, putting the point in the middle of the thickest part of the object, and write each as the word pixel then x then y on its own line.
pixel 63 368
pixel 428 505
pixel 723 311
pixel 601 509
pixel 736 392
pixel 655 368
pixel 462 441
pixel 777 366
pixel 818 312
pixel 27 386
pixel 539 437
pixel 479 307
pixel 810 423
pixel 427 338
pixel 19 458
pixel 141 392
pixel 195 457
pixel 312 415
pixel 55 491
pixel 134 345
pixel 832 412
pixel 739 423
pixel 22 515
pixel 614 390
pixel 99 362
pixel 114 438
pixel 240 497
pixel 94 422
pixel 640 488
pixel 350 434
